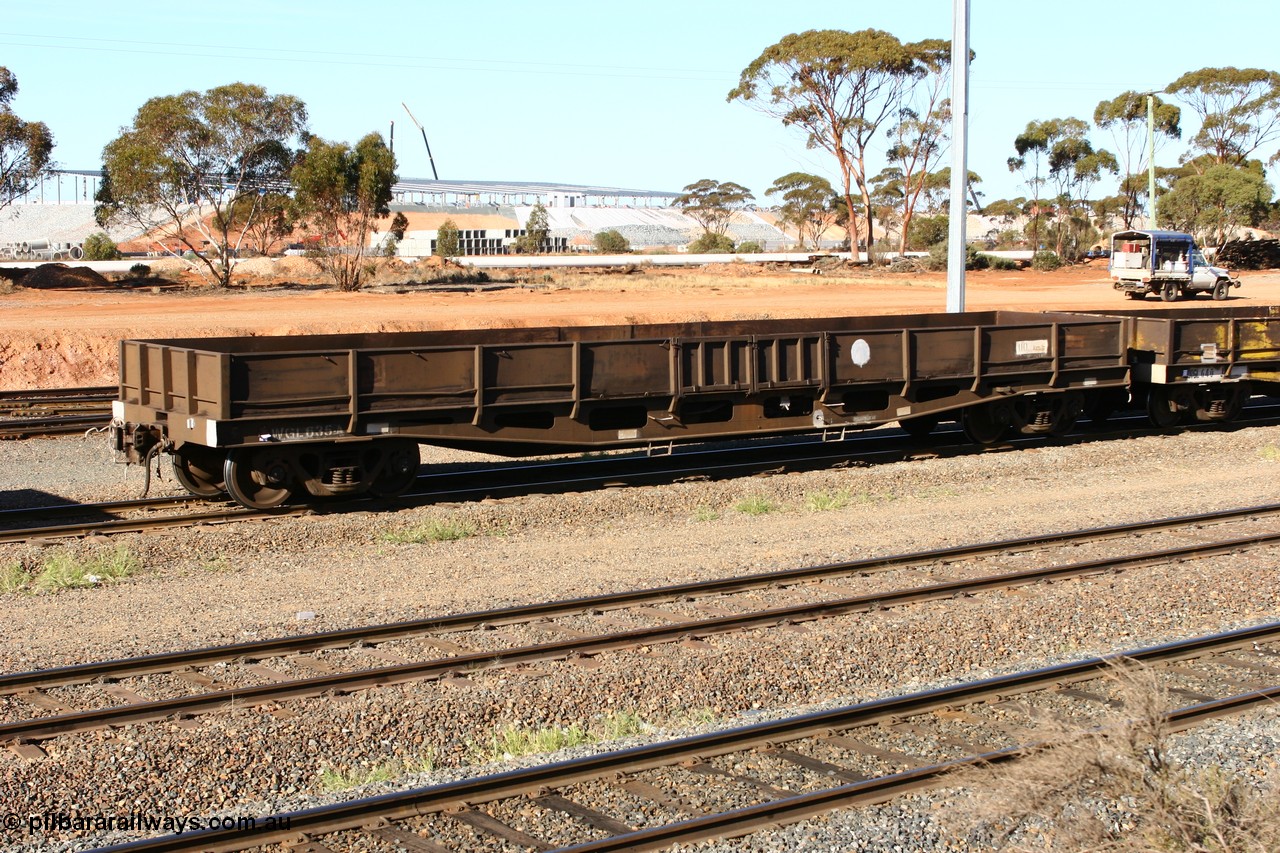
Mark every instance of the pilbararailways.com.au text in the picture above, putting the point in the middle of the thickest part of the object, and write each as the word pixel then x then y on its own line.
pixel 48 823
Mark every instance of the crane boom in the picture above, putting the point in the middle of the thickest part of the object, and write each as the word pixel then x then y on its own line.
pixel 434 175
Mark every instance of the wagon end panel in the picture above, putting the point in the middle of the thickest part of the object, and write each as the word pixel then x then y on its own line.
pixel 171 380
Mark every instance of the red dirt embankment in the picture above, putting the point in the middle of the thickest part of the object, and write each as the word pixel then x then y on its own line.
pixel 68 337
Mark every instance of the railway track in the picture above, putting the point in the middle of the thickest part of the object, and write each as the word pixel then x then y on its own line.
pixel 732 783
pixel 54 411
pixel 564 475
pixel 343 661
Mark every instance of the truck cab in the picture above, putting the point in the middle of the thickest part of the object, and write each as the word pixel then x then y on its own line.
pixel 1165 263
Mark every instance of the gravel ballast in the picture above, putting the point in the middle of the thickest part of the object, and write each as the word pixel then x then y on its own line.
pixel 244 581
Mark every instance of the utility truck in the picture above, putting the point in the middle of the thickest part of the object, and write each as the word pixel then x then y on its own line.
pixel 1166 263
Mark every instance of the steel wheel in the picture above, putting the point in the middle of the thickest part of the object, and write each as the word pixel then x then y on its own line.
pixel 1169 293
pixel 1220 290
pixel 258 479
pixel 399 470
pixel 199 470
pixel 985 423
pixel 1162 407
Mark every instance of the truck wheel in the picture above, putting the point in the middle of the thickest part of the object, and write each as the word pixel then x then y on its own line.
pixel 1169 293
pixel 1221 289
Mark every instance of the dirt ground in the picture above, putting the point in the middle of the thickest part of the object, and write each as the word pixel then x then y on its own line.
pixel 64 332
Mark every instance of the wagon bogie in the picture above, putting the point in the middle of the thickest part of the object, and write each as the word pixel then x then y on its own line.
pixel 1047 414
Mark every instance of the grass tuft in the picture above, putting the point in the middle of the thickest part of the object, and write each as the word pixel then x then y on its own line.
pixel 705 513
pixel 435 530
pixel 14 577
pixel 620 724
pixel 218 565
pixel 514 740
pixel 65 570
pixel 332 779
pixel 518 739
pixel 827 501
pixel 756 505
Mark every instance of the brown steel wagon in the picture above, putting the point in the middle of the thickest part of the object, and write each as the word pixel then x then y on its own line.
pixel 265 418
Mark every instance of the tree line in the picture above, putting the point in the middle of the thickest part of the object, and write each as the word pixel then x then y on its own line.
pixel 210 173
pixel 847 92
pixel 235 165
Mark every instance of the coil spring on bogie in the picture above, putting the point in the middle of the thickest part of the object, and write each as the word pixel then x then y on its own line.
pixel 347 475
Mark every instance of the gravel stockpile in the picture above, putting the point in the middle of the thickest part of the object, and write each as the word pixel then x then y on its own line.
pixel 59 223
pixel 644 235
pixel 759 232
pixel 253 580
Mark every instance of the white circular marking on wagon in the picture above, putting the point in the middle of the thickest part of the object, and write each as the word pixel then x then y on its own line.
pixel 860 352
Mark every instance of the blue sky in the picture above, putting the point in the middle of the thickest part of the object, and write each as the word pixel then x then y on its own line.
pixel 617 94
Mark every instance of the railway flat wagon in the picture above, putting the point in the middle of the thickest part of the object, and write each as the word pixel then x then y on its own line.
pixel 265 418
pixel 1202 364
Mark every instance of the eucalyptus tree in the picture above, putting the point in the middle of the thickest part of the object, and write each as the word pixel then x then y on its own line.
pixel 266 219
pixel 1213 201
pixel 340 193
pixel 806 205
pixel 1033 146
pixel 712 204
pixel 1125 116
pixel 838 88
pixel 920 137
pixel 184 167
pixel 1058 152
pixel 26 147
pixel 1075 167
pixel 448 240
pixel 536 229
pixel 1239 110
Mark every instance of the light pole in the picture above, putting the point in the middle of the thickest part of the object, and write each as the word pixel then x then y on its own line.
pixel 1151 160
pixel 956 254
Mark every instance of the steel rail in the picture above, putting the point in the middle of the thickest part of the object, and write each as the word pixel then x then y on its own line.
pixel 585 475
pixel 21 428
pixel 43 396
pixel 507 481
pixel 500 481
pixel 134 525
pixel 55 411
pixel 749 819
pixel 373 634
pixel 345 682
pixel 515 783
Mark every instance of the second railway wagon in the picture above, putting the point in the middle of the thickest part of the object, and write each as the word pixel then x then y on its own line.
pixel 1202 364
pixel 265 418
